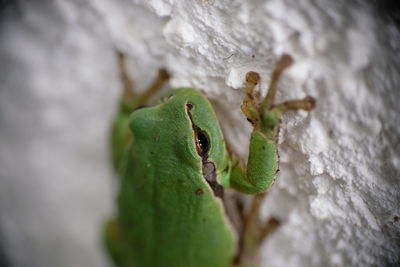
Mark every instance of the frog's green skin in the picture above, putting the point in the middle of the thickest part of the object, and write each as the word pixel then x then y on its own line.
pixel 120 134
pixel 167 213
pixel 170 210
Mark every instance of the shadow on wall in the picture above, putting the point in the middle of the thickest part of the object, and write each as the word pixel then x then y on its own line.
pixel 389 10
pixel 4 260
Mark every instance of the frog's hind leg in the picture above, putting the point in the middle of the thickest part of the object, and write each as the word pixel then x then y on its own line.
pixel 255 232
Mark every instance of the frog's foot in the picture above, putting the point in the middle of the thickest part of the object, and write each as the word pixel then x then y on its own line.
pixel 263 157
pixel 250 107
pixel 130 99
pixel 265 116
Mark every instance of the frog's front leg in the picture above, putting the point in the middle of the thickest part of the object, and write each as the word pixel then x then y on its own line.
pixel 262 164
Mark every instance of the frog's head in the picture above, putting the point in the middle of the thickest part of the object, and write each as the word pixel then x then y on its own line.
pixel 183 122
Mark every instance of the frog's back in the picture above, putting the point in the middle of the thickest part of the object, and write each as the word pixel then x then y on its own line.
pixel 168 214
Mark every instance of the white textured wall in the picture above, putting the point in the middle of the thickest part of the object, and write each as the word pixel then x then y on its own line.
pixel 338 191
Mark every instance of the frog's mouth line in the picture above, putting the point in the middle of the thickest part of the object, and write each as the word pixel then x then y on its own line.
pixel 202 141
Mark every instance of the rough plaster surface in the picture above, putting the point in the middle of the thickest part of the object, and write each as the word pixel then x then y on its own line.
pixel 338 191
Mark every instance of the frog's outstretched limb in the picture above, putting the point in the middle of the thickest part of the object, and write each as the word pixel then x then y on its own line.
pixel 262 164
pixel 254 233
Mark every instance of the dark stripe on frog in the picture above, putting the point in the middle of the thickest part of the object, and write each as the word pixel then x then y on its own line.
pixel 208 167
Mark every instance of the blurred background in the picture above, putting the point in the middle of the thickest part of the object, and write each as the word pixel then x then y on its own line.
pixel 338 191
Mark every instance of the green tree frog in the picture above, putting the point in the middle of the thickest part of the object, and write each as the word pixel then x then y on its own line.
pixel 172 209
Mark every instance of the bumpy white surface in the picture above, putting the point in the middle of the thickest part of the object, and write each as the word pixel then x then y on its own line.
pixel 338 191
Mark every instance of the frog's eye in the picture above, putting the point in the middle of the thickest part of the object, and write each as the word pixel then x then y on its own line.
pixel 202 142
